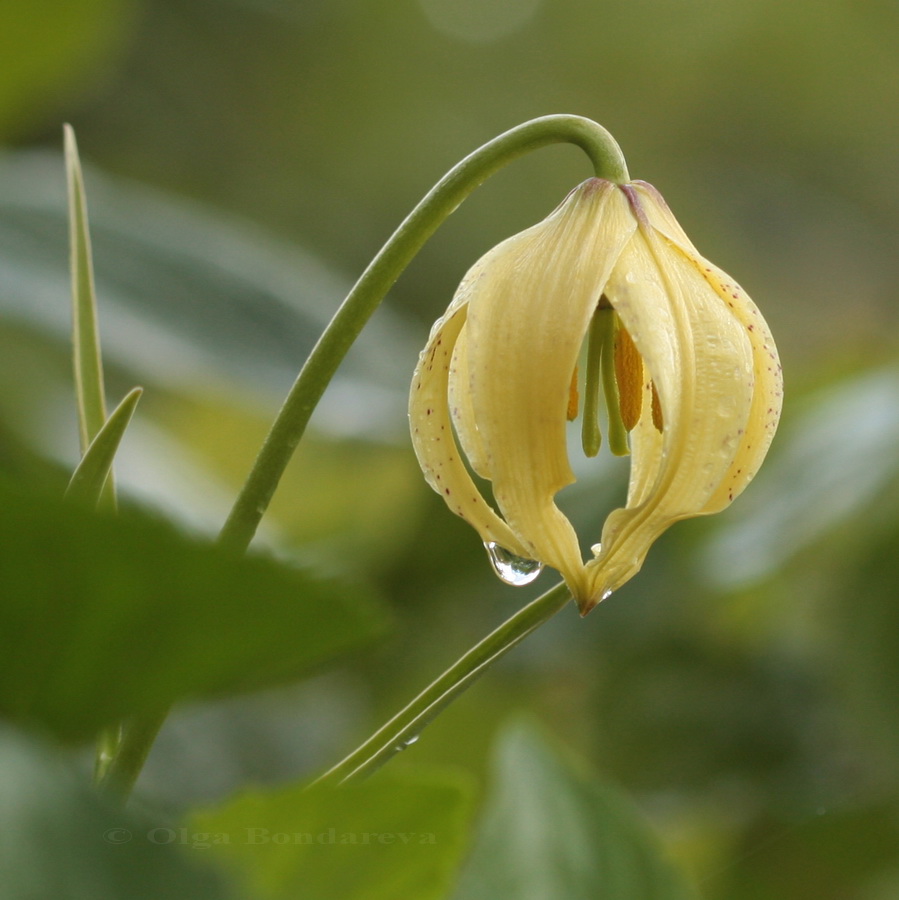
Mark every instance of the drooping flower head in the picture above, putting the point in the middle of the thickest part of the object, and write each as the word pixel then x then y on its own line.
pixel 685 362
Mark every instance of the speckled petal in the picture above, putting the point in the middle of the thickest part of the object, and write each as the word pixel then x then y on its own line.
pixel 432 433
pixel 699 355
pixel 767 397
pixel 461 408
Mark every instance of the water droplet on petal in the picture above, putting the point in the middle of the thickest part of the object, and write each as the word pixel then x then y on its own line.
pixel 606 594
pixel 514 570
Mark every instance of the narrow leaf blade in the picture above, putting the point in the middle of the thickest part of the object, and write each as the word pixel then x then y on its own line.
pixel 87 360
pixel 91 473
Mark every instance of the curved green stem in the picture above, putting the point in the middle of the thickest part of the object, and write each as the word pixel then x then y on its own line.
pixel 316 374
pixel 406 726
pixel 378 278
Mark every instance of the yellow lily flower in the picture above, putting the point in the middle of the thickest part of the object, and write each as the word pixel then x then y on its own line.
pixel 688 367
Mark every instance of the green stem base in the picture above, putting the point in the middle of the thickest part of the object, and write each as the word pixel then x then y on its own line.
pixel 135 743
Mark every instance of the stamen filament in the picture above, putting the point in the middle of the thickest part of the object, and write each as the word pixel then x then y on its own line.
pixel 617 431
pixel 591 437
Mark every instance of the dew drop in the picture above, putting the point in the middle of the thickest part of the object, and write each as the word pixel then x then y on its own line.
pixel 514 570
pixel 606 594
pixel 406 742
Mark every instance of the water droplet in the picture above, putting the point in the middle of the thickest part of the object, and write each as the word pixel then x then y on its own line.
pixel 630 278
pixel 406 742
pixel 514 570
pixel 606 594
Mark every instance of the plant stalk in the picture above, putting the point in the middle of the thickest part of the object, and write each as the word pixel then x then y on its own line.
pixel 290 424
pixel 379 277
pixel 406 726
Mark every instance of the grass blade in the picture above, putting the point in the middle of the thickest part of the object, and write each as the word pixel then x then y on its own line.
pixel 85 336
pixel 92 473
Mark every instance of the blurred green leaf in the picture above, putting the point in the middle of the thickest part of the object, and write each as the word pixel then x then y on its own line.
pixel 104 618
pixel 550 833
pixel 189 295
pixel 837 459
pixel 850 852
pixel 60 839
pixel 392 838
pixel 862 651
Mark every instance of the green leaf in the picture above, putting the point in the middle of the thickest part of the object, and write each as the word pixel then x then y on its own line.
pixel 861 647
pixel 836 458
pixel 91 473
pixel 103 618
pixel 550 833
pixel 62 840
pixel 388 839
pixel 89 391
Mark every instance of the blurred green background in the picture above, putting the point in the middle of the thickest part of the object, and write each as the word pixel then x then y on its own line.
pixel 246 158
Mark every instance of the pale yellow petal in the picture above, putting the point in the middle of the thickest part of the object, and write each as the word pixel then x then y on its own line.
pixel 701 360
pixel 461 408
pixel 659 216
pixel 433 440
pixel 768 390
pixel 767 398
pixel 646 451
pixel 526 324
